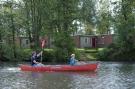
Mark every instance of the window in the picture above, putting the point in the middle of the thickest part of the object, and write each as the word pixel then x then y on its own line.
pixel 86 40
pixel 27 41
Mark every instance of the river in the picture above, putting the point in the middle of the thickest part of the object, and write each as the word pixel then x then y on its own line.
pixel 110 75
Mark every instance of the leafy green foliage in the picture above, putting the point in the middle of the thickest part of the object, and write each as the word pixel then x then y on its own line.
pixel 55 18
pixel 124 23
pixel 64 46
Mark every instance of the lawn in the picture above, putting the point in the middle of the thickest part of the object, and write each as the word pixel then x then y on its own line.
pixel 84 54
pixel 88 54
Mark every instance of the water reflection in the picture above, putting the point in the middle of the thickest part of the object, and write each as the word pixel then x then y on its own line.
pixel 109 76
pixel 114 76
pixel 36 74
pixel 59 80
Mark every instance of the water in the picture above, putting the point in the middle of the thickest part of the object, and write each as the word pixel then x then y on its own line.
pixel 110 75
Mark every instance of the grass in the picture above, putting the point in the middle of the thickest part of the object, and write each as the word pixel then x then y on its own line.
pixel 46 49
pixel 86 54
pixel 89 54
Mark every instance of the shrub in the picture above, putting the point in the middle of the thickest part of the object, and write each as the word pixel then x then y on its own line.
pixel 116 53
pixel 48 56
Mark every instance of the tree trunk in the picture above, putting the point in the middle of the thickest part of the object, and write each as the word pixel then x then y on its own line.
pixel 13 36
pixel 0 46
pixel 13 31
pixel 36 22
pixel 28 24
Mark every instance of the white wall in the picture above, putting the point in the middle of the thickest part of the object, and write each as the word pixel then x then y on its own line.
pixel 85 42
pixel 25 43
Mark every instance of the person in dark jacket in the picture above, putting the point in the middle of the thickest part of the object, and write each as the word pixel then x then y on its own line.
pixel 35 59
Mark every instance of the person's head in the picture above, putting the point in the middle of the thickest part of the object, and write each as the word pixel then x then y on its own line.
pixel 72 55
pixel 34 53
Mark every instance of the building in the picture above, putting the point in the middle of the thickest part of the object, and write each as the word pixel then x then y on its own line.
pixel 81 41
pixel 92 41
pixel 23 42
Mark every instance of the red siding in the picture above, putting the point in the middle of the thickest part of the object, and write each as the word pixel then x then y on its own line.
pixel 104 40
pixel 108 39
pixel 97 41
pixel 77 41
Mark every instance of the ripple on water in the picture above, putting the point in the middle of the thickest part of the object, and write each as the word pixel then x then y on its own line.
pixel 10 69
pixel 109 76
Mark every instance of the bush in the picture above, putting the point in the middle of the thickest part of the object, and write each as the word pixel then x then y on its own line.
pixel 61 55
pixel 116 53
pixel 103 55
pixel 107 54
pixel 23 54
pixel 8 53
pixel 48 56
pixel 64 46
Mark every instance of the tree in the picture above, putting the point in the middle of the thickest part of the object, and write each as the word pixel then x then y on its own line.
pixel 66 13
pixel 10 22
pixel 104 16
pixel 126 25
pixel 9 11
pixel 88 15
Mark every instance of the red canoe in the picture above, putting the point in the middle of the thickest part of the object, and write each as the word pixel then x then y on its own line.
pixel 84 67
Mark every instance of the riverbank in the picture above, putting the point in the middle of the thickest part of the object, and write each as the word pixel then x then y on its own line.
pixel 90 54
pixel 48 55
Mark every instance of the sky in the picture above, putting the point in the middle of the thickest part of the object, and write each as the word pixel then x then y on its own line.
pixel 10 0
pixel 106 4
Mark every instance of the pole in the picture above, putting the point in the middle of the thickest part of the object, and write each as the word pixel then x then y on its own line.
pixel 41 55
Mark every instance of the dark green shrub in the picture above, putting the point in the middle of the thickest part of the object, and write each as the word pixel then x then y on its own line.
pixel 23 54
pixel 48 56
pixel 116 53
pixel 64 46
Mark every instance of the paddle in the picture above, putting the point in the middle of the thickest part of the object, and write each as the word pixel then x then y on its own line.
pixel 42 46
